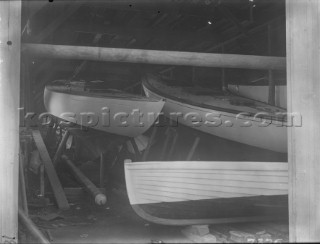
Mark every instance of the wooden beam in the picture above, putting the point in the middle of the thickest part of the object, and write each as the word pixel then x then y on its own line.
pixel 156 57
pixel 10 36
pixel 228 41
pixel 61 148
pixel 99 196
pixel 56 23
pixel 33 6
pixel 303 59
pixel 23 202
pixel 250 32
pixel 32 228
pixel 51 172
pixel 230 17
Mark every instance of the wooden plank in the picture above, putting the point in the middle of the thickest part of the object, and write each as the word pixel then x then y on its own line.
pixel 219 173
pixel 206 175
pixel 102 170
pixel 75 194
pixel 272 84
pixel 22 184
pixel 209 165
pixel 32 228
pixel 61 148
pixel 151 140
pixel 303 59
pixel 10 29
pixel 51 172
pixel 34 6
pixel 211 186
pixel 156 57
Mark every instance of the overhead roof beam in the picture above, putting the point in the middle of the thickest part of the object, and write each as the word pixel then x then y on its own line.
pixel 56 23
pixel 156 57
pixel 122 30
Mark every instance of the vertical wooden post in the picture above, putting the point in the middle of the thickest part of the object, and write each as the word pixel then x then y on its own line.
pixel 42 180
pixel 303 62
pixel 272 87
pixel 22 185
pixel 193 148
pixel 10 29
pixel 61 148
pixel 194 76
pixel 152 137
pixel 223 75
pixel 102 169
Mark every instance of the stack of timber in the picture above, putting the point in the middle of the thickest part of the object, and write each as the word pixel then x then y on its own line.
pixel 204 192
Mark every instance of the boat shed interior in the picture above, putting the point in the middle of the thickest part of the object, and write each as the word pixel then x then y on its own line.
pixel 167 121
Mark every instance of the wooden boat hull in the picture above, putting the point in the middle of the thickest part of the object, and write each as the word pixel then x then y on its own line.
pixel 126 116
pixel 232 125
pixel 202 192
pixel 260 93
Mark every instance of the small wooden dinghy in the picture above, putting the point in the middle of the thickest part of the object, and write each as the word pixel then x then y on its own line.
pixel 228 116
pixel 106 110
pixel 260 93
pixel 203 192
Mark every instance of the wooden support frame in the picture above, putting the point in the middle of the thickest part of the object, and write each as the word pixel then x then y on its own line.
pixel 193 148
pixel 61 147
pixel 102 170
pixel 99 197
pixel 151 140
pixel 272 86
pixel 303 74
pixel 35 232
pixel 10 35
pixel 52 175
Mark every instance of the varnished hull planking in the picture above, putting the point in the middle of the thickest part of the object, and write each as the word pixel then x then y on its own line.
pixel 114 113
pixel 199 192
pixel 260 93
pixel 240 123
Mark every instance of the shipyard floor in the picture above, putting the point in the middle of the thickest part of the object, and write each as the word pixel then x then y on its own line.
pixel 116 222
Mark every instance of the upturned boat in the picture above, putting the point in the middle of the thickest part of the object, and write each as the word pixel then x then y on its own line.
pixel 107 110
pixel 224 115
pixel 204 192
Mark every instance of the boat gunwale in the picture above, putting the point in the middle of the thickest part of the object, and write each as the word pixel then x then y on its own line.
pixel 110 95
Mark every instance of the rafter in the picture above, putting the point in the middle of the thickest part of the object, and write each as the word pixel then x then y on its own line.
pixel 146 33
pixel 56 23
